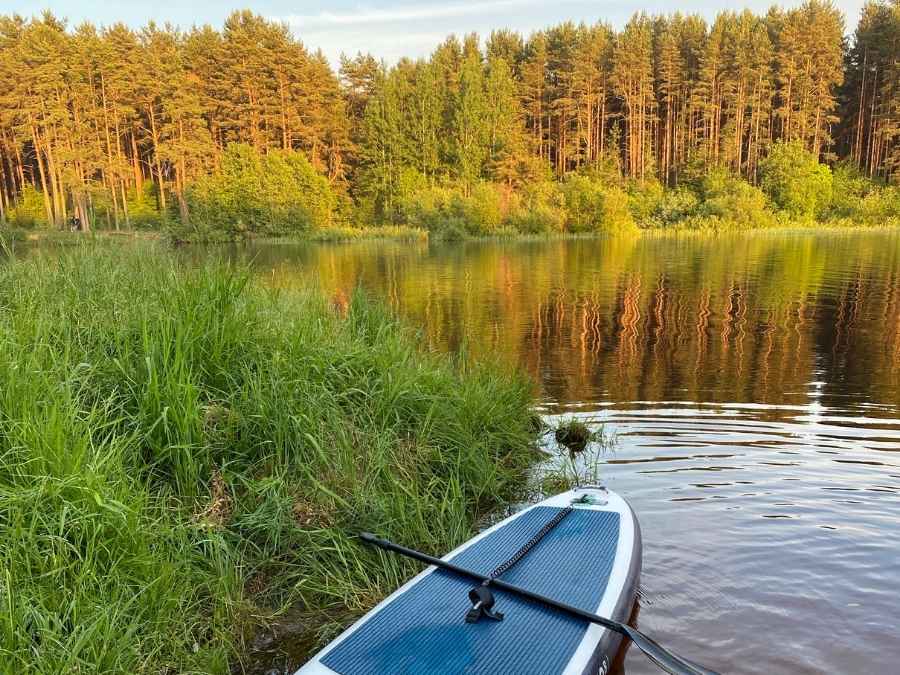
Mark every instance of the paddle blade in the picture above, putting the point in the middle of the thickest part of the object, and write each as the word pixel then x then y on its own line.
pixel 662 657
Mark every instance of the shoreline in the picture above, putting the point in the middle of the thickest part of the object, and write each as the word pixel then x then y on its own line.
pixel 409 234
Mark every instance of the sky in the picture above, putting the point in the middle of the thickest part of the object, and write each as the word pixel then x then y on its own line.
pixel 388 29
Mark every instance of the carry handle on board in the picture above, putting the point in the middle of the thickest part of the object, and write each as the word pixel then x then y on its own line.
pixel 662 657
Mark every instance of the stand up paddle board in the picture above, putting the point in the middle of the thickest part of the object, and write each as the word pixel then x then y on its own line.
pixel 585 551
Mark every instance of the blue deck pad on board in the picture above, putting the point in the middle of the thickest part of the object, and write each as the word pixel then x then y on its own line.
pixel 423 631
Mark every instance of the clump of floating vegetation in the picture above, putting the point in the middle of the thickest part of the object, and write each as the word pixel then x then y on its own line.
pixel 573 434
pixel 184 454
pixel 583 444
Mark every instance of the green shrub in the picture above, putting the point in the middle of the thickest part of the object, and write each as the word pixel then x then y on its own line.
pixel 675 206
pixel 429 209
pixel 482 210
pixel 880 207
pixel 540 209
pixel 859 200
pixel 275 194
pixel 418 208
pixel 142 208
pixel 451 213
pixel 537 220
pixel 732 200
pixel 29 211
pixel 849 186
pixel 592 206
pixel 644 200
pixel 795 181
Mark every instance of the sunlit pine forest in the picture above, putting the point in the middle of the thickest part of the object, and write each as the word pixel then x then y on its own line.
pixel 669 121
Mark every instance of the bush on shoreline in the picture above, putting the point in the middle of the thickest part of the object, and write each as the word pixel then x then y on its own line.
pixel 794 190
pixel 795 180
pixel 281 195
pixel 276 194
pixel 178 468
pixel 594 206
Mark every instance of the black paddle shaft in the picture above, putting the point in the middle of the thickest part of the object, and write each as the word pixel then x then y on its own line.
pixel 662 657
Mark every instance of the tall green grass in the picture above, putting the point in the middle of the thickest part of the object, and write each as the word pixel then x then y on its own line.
pixel 183 453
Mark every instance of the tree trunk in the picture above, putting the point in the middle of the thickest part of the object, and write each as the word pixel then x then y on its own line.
pixel 181 177
pixel 155 138
pixel 44 189
pixel 856 153
pixel 136 164
pixel 56 194
pixel 182 202
pixel 20 166
pixel 124 205
pixel 2 195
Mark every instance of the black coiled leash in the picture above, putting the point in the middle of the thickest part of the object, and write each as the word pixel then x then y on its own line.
pixel 482 598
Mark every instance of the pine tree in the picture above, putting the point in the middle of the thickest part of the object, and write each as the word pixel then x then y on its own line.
pixel 632 76
pixel 591 89
pixel 670 73
pixel 870 128
pixel 808 45
pixel 534 92
pixel 469 130
pixel 509 46
pixel 507 152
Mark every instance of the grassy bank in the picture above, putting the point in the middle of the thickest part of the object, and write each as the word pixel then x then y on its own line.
pixel 401 233
pixel 184 454
pixel 13 235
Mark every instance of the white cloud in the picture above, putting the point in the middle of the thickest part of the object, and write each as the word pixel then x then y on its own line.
pixel 414 30
pixel 404 13
pixel 390 29
pixel 388 45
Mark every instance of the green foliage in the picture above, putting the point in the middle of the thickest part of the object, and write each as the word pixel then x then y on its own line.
pixel 850 186
pixel 428 209
pixel 665 96
pixel 142 209
pixel 451 213
pixel 859 200
pixel 469 148
pixel 537 209
pixel 880 207
pixel 675 206
pixel 541 219
pixel 175 469
pixel 644 200
pixel 728 198
pixel 592 206
pixel 588 203
pixel 29 211
pixel 795 181
pixel 482 210
pixel 275 194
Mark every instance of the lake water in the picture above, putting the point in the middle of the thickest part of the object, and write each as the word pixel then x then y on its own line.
pixel 752 383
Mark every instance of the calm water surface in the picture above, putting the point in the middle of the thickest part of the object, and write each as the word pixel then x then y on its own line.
pixel 753 385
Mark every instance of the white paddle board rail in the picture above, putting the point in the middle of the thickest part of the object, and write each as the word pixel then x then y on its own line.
pixel 570 567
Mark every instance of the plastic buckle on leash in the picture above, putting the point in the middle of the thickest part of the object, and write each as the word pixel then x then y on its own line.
pixel 482 604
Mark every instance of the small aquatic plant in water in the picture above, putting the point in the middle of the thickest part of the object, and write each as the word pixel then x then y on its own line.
pixel 570 468
pixel 574 434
